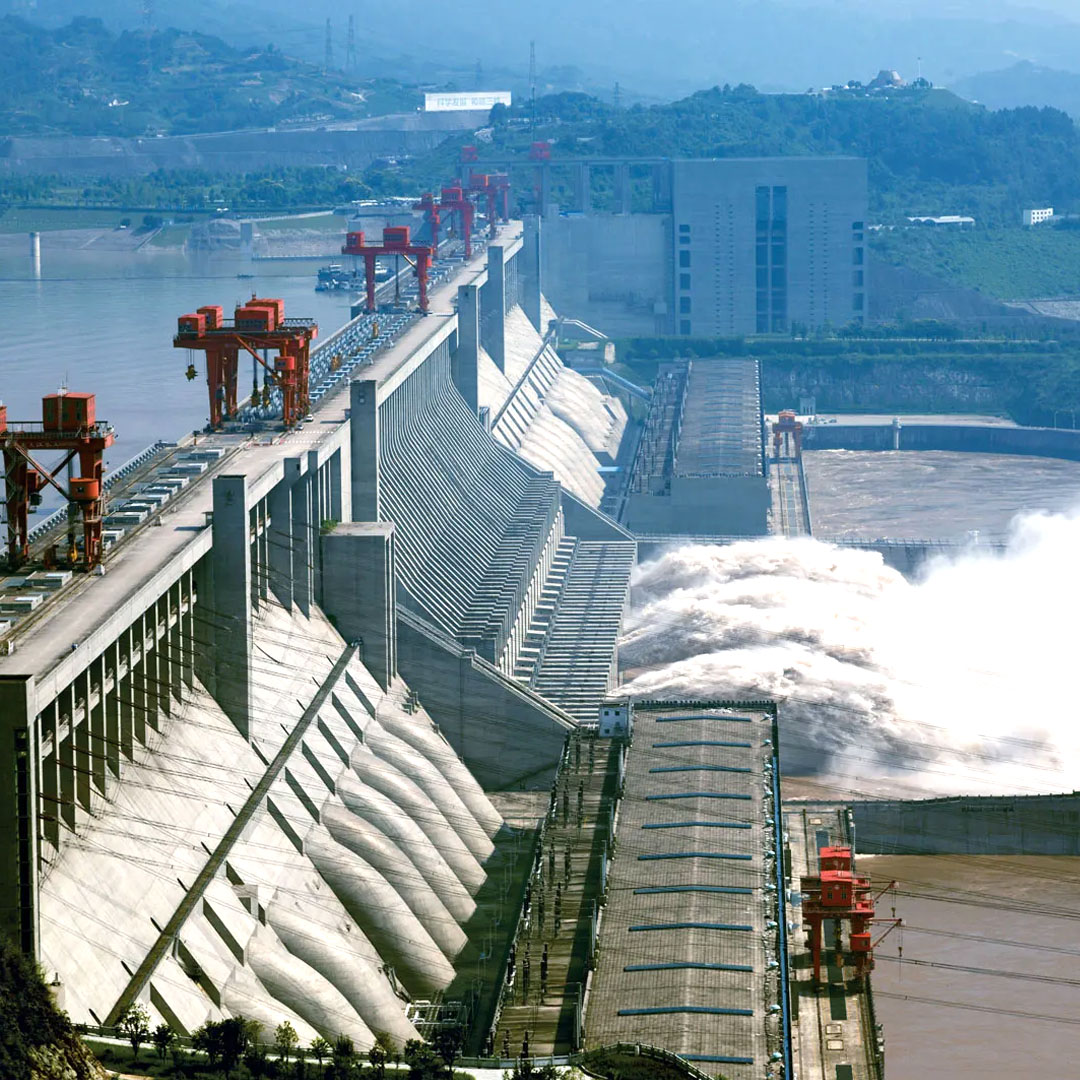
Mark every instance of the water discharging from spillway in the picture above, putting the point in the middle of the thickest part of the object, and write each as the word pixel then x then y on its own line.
pixel 959 682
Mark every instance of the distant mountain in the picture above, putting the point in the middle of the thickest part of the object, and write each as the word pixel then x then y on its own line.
pixel 651 50
pixel 84 79
pixel 1024 83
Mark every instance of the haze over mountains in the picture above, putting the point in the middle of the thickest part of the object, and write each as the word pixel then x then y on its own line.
pixel 775 44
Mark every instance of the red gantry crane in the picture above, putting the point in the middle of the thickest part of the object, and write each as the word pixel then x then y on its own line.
pixel 395 242
pixel 430 208
pixel 257 325
pixel 839 894
pixel 68 424
pixel 787 428
pixel 495 189
pixel 455 202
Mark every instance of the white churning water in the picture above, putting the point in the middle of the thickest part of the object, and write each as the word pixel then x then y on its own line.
pixel 958 682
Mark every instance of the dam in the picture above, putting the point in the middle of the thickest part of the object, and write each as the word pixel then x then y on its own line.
pixel 251 758
pixel 306 749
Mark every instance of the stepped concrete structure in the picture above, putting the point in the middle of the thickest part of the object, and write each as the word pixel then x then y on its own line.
pixel 700 467
pixel 245 770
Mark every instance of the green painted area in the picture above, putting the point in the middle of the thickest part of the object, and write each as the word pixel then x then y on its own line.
pixel 844 1072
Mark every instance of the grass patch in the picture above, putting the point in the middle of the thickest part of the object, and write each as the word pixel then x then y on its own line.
pixel 25 219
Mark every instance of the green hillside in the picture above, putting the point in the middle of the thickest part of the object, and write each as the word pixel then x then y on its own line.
pixel 82 79
pixel 1008 264
pixel 929 152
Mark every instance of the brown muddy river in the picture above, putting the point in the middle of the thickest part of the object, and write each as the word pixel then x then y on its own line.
pixel 1015 919
pixel 932 494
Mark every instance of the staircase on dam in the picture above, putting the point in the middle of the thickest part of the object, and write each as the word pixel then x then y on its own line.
pixel 575 664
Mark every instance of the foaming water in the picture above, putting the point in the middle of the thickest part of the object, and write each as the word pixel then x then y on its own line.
pixel 959 682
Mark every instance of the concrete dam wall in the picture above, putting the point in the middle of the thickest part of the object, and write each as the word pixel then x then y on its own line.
pixel 970 825
pixel 969 438
pixel 256 785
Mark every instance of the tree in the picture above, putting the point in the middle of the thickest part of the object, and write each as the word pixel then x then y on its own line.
pixel 164 1037
pixel 344 1054
pixel 208 1039
pixel 447 1042
pixel 235 1036
pixel 285 1040
pixel 423 1062
pixel 379 1054
pixel 135 1024
pixel 320 1049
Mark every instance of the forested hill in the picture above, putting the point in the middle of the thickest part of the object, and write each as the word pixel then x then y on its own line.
pixel 929 151
pixel 82 79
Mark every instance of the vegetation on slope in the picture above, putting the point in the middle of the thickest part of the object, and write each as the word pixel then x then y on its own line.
pixel 36 1040
pixel 1008 264
pixel 82 79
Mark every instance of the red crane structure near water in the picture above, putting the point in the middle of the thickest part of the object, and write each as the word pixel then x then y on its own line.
pixel 396 242
pixel 430 208
pixel 839 894
pixel 789 431
pixel 495 189
pixel 69 423
pixel 453 201
pixel 256 325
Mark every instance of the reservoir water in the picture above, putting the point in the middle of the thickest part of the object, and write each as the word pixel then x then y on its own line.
pixel 103 322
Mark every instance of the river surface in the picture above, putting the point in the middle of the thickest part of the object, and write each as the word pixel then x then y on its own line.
pixel 1017 920
pixel 931 494
pixel 103 322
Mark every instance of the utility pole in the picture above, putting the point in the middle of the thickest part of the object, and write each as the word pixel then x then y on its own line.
pixel 617 102
pixel 350 47
pixel 328 61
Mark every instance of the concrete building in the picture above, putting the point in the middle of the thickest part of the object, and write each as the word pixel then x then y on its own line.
pixel 1038 216
pixel 759 244
pixel 700 467
pixel 730 246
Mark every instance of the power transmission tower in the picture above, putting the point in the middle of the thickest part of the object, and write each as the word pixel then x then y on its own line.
pixel 617 100
pixel 350 47
pixel 532 85
pixel 328 62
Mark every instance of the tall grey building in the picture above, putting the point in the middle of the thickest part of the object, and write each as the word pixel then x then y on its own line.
pixel 760 243
pixel 731 246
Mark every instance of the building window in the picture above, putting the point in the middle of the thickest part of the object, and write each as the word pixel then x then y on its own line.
pixel 859 301
pixel 857 279
pixel 856 226
pixel 762 277
pixel 684 228
pixel 684 259
pixel 684 326
pixel 684 305
pixel 684 281
pixel 858 257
